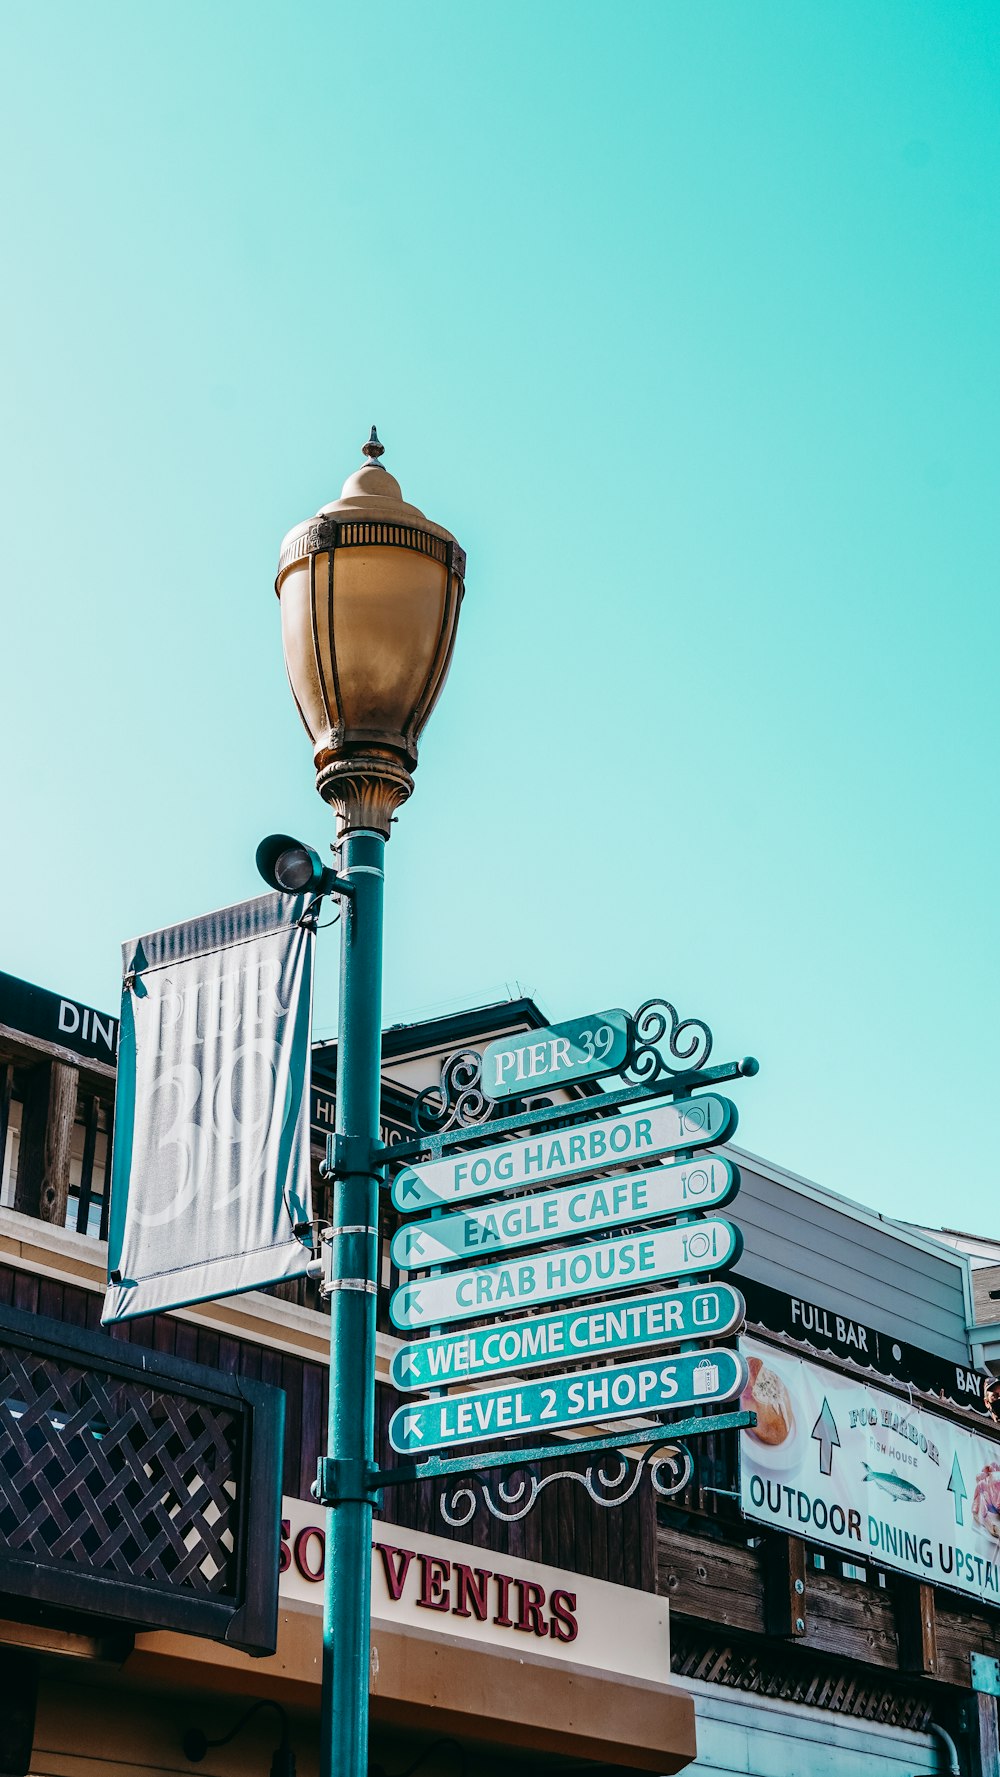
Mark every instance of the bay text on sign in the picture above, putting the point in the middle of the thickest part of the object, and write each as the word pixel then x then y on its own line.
pixel 619 1391
pixel 590 1147
pixel 602 1265
pixel 706 1311
pixel 557 1055
pixel 577 1209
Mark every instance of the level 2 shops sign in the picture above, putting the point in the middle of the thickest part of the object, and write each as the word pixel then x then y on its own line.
pixel 690 1379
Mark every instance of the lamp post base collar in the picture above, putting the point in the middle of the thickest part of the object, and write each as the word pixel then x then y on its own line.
pixel 365 790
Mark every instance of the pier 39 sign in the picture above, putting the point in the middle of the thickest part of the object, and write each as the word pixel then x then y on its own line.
pixel 559 1055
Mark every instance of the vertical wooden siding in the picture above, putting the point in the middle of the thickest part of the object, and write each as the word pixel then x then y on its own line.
pixel 565 1529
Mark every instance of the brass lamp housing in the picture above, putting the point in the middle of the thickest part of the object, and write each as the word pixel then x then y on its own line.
pixel 370 592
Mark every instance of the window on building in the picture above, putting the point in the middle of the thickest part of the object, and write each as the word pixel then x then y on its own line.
pixel 88 1200
pixel 90 1150
pixel 12 1143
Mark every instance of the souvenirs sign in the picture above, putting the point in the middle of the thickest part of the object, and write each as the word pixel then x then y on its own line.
pixel 618 1391
pixel 686 1123
pixel 608 1265
pixel 577 1209
pixel 706 1311
pixel 556 1055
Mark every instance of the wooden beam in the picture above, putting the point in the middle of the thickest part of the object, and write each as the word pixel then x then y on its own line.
pixel 6 1088
pixel 18 1694
pixel 46 1136
pixel 785 1585
pixel 916 1626
pixel 980 1711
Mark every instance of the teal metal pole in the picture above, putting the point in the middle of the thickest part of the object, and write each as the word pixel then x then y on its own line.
pixel 353 1277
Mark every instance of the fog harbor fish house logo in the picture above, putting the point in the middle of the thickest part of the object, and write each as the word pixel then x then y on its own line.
pixel 895 1425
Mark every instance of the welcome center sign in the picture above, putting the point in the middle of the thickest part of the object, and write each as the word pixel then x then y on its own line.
pixel 857 1469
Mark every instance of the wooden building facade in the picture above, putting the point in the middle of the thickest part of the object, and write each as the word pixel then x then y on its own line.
pixel 796 1659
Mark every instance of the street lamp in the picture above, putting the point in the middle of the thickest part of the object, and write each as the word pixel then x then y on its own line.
pixel 370 593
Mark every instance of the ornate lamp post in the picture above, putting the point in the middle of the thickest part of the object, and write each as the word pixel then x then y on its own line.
pixel 370 593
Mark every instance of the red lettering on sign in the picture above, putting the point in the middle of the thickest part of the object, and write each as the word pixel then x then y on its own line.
pixel 471 1585
pixel 301 1552
pixel 434 1591
pixel 502 1619
pixel 530 1617
pixel 284 1552
pixel 395 1575
pixel 563 1625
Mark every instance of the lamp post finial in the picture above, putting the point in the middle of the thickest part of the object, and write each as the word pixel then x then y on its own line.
pixel 373 450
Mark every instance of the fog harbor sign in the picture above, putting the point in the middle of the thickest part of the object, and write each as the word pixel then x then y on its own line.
pixel 686 1123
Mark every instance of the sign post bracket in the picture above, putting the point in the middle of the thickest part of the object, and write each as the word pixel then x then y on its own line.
pixel 676 1086
pixel 657 1438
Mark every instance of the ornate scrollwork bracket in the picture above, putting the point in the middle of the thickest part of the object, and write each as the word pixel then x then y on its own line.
pixel 664 1045
pixel 458 1100
pixel 670 1469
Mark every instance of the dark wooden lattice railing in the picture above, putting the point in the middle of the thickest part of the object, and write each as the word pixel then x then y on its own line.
pixel 137 1486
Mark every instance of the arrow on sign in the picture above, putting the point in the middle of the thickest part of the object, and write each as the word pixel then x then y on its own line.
pixel 826 1435
pixel 407 1185
pixel 958 1490
pixel 411 1300
pixel 408 1364
pixel 411 1429
pixel 414 1245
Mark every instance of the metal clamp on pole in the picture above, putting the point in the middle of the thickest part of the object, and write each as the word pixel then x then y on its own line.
pixel 349 1156
pixel 322 1266
pixel 339 1480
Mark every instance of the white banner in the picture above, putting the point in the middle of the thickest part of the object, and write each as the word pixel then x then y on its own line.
pixel 210 1167
pixel 876 1477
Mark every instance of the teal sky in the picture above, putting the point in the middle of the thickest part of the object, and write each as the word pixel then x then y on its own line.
pixel 683 317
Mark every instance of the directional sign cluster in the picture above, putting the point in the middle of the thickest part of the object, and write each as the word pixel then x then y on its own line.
pixel 554 1215
pixel 604 1212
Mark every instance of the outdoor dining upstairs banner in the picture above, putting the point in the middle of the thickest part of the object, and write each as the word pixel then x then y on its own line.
pixel 210 1166
pixel 875 1476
